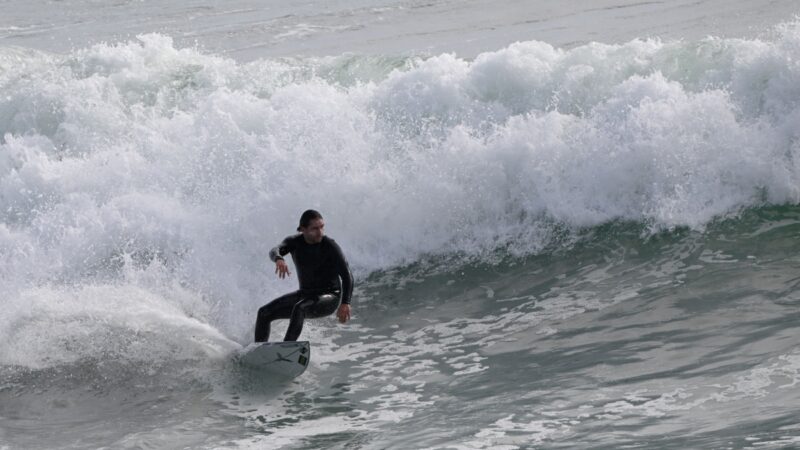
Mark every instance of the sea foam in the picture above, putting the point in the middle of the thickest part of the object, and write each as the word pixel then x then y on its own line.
pixel 125 157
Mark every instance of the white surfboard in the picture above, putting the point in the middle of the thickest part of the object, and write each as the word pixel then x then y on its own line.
pixel 287 359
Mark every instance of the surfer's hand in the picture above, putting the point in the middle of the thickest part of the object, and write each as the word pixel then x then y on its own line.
pixel 282 269
pixel 343 313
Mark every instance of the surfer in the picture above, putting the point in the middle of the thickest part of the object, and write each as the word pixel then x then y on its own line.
pixel 320 265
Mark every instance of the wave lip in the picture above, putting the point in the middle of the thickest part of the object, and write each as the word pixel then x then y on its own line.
pixel 142 185
pixel 196 163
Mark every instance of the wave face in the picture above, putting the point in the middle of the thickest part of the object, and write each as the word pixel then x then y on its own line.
pixel 142 185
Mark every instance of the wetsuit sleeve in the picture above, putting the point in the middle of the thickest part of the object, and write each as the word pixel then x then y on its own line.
pixel 343 270
pixel 281 250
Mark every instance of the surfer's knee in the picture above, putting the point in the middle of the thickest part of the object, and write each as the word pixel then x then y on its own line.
pixel 266 311
pixel 329 298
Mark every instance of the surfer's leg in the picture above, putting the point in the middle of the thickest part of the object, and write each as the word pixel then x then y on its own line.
pixel 298 316
pixel 280 308
pixel 325 306
pixel 311 307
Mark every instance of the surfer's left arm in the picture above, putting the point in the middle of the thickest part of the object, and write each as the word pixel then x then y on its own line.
pixel 343 270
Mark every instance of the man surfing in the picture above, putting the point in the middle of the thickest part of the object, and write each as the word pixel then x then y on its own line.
pixel 320 266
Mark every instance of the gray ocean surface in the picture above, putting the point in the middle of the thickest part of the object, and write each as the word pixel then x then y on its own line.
pixel 572 224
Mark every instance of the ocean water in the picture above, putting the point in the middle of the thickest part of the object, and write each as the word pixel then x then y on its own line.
pixel 571 225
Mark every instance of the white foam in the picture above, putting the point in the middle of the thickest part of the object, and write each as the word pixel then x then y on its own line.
pixel 117 156
pixel 44 327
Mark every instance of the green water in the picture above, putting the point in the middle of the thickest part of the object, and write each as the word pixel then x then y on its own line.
pixel 677 340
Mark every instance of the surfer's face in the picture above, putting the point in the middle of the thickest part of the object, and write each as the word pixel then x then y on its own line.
pixel 314 231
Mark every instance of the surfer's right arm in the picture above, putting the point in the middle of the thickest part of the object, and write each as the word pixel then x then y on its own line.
pixel 277 254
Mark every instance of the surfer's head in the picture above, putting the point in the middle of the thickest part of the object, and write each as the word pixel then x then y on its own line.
pixel 312 226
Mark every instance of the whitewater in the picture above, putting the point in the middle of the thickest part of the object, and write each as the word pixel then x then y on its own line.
pixel 570 226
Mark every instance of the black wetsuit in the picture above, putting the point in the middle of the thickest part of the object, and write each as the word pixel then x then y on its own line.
pixel 319 268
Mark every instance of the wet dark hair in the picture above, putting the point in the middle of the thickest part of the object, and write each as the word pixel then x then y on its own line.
pixel 307 217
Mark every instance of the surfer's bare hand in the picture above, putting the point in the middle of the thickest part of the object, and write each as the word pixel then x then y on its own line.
pixel 282 269
pixel 343 313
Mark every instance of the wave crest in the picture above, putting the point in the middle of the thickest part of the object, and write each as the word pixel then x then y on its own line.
pixel 143 148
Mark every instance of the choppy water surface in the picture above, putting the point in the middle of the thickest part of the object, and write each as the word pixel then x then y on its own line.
pixel 591 246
